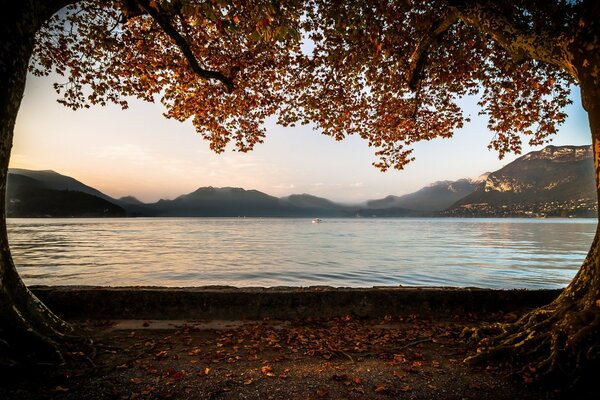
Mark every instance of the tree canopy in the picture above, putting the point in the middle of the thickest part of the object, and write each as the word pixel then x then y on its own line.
pixel 391 72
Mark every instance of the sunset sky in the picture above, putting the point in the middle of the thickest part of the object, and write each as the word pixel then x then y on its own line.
pixel 139 152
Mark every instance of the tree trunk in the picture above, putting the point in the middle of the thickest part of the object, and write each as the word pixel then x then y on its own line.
pixel 27 328
pixel 561 341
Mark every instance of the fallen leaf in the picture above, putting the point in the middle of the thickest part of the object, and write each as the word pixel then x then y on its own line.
pixel 147 390
pixel 195 351
pixel 399 374
pixel 161 354
pixel 267 370
pixel 406 388
pixel 177 376
pixel 381 388
pixel 322 392
pixel 248 382
pixel 137 381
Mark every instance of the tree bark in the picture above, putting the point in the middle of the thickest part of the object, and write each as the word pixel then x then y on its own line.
pixel 561 341
pixel 28 329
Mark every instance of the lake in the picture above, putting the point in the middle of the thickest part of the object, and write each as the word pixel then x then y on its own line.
pixel 490 253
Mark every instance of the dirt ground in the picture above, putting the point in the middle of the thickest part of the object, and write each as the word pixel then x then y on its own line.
pixel 396 357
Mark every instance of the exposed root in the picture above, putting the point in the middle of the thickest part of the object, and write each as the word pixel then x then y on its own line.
pixel 558 343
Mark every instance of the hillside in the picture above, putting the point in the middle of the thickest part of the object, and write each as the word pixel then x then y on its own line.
pixel 224 202
pixel 27 197
pixel 555 181
pixel 435 197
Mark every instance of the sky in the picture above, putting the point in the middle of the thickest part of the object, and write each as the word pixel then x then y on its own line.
pixel 139 152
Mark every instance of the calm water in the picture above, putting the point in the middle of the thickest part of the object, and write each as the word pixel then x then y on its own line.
pixel 498 253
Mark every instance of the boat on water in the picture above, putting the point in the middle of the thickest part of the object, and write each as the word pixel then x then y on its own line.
pixel 317 220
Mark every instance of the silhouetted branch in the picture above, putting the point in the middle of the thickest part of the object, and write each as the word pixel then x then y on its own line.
pixel 419 55
pixel 156 12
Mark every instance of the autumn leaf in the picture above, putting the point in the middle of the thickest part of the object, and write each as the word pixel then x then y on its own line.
pixel 136 381
pixel 381 389
pixel 147 390
pixel 406 388
pixel 161 354
pixel 195 351
pixel 178 375
pixel 399 374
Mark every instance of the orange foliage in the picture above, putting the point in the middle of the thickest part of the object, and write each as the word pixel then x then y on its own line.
pixel 382 70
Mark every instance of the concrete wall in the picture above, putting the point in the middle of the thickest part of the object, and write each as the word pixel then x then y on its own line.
pixel 229 303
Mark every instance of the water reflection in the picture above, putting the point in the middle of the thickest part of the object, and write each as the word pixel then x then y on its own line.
pixel 506 253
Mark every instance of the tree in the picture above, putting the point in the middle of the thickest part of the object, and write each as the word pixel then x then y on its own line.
pixel 389 71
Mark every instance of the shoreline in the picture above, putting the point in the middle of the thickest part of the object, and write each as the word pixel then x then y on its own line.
pixel 255 303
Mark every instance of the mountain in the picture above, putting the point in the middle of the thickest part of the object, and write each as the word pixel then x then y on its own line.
pixel 318 206
pixel 129 200
pixel 30 197
pixel 55 181
pixel 224 202
pixel 555 181
pixel 436 197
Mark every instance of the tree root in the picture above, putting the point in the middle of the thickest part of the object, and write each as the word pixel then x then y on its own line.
pixel 559 343
pixel 43 340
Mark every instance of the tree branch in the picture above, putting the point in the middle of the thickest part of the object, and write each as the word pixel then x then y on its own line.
pixel 157 13
pixel 419 55
pixel 520 42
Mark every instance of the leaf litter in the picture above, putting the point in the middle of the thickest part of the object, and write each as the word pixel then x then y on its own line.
pixel 408 356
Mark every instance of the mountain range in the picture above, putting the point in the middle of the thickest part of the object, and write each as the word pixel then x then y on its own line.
pixel 555 181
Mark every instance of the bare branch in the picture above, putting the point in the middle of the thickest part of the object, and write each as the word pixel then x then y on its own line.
pixel 156 12
pixel 419 55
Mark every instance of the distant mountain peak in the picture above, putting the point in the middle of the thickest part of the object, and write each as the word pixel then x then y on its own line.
pixel 482 178
pixel 560 153
pixel 130 200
